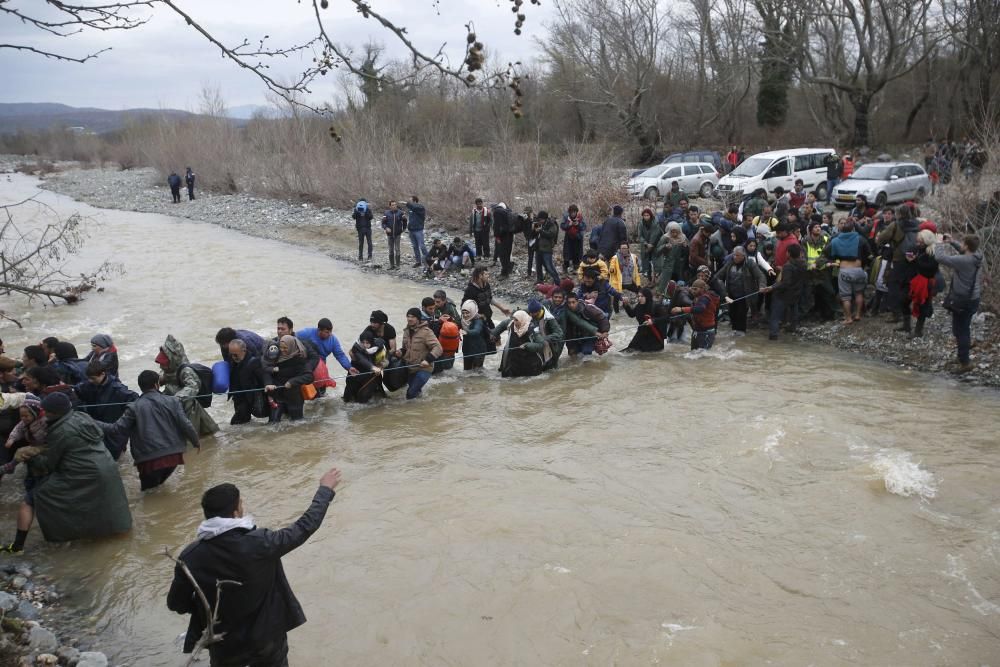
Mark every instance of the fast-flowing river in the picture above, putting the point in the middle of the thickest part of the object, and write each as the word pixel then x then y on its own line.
pixel 762 504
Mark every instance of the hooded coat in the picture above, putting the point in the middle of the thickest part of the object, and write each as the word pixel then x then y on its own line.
pixel 185 385
pixel 82 495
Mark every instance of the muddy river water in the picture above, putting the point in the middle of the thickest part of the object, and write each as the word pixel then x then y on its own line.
pixel 762 504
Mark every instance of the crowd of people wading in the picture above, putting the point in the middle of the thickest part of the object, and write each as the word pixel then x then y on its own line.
pixel 775 259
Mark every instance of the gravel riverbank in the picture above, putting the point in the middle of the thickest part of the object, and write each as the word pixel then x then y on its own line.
pixel 30 607
pixel 331 231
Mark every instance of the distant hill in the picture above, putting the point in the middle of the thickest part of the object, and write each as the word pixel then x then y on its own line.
pixel 45 115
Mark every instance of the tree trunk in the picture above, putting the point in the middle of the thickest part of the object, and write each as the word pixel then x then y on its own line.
pixel 862 105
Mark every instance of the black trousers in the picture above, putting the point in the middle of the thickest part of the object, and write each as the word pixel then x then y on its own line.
pixel 572 255
pixel 176 194
pixel 482 243
pixel 738 315
pixel 191 192
pixel 149 480
pixel 271 654
pixel 364 235
pixel 505 247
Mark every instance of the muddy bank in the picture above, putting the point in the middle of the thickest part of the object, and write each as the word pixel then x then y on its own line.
pixel 331 231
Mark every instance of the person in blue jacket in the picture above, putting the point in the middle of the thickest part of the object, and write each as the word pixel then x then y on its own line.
pixel 174 181
pixel 321 337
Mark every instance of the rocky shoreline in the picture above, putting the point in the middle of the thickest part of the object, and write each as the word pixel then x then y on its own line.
pixel 29 607
pixel 331 232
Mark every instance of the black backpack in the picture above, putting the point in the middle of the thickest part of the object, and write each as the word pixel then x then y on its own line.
pixel 204 382
pixel 501 220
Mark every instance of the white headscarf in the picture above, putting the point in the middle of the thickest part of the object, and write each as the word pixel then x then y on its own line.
pixel 522 322
pixel 472 308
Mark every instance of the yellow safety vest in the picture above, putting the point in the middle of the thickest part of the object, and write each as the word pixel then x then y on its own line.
pixel 813 252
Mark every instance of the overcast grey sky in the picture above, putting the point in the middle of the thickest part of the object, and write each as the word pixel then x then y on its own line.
pixel 166 63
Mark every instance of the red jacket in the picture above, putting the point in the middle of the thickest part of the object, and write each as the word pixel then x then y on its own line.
pixel 781 252
pixel 703 311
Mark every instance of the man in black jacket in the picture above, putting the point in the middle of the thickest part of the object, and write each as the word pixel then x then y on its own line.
pixel 613 234
pixel 246 374
pixel 787 291
pixel 255 616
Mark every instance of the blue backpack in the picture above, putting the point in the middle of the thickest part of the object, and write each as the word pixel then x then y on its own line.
pixel 361 208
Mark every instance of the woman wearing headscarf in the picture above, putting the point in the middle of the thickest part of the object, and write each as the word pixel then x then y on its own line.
pixel 653 320
pixel 474 346
pixel 670 256
pixel 29 433
pixel 526 351
pixel 369 356
pixel 103 350
pixel 285 372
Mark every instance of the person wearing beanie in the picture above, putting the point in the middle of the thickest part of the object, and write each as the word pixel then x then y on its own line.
pixel 548 328
pixel 613 234
pixel 419 351
pixel 82 496
pixel 102 348
pixel 705 304
pixel 378 325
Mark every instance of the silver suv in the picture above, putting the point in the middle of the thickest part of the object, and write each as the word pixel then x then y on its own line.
pixel 693 177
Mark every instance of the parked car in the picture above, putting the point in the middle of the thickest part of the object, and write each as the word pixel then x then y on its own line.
pixel 773 168
pixel 695 155
pixel 883 183
pixel 693 177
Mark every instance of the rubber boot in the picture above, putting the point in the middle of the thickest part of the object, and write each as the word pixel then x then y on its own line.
pixel 904 327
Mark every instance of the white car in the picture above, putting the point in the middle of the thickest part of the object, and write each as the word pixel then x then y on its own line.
pixel 883 183
pixel 772 169
pixel 693 177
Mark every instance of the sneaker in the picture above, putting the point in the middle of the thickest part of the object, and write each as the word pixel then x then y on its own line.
pixel 9 549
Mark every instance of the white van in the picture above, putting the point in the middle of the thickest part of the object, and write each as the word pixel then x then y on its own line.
pixel 773 168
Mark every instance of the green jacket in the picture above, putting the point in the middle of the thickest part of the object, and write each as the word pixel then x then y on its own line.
pixel 649 234
pixel 667 258
pixel 451 310
pixel 547 235
pixel 552 331
pixel 185 385
pixel 754 207
pixel 81 495
pixel 675 197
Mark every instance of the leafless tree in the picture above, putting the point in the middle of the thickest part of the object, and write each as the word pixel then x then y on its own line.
pixel 857 47
pixel 617 43
pixel 974 28
pixel 33 257
pixel 331 50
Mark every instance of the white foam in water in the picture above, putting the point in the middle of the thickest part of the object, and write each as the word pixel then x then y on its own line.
pixel 559 569
pixel 671 629
pixel 902 475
